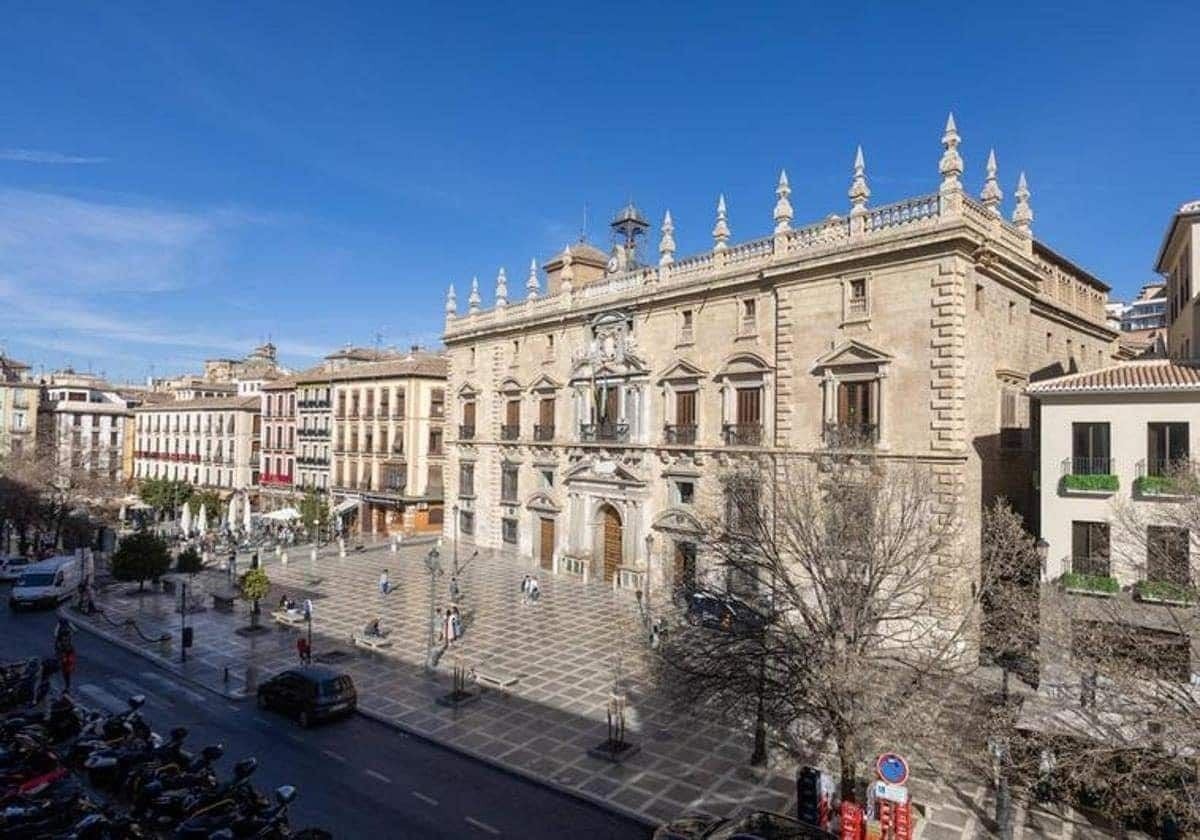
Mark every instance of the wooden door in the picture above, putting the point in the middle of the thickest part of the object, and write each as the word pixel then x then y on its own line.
pixel 749 406
pixel 512 413
pixel 546 412
pixel 685 408
pixel 612 541
pixel 546 551
pixel 610 405
pixel 469 414
pixel 684 573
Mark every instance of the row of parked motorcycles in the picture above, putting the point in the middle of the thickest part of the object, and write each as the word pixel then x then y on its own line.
pixel 67 772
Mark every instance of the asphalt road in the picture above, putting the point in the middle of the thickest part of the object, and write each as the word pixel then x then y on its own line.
pixel 354 777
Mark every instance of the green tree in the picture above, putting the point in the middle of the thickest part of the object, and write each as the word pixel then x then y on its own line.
pixel 313 508
pixel 165 495
pixel 189 561
pixel 211 502
pixel 254 586
pixel 141 556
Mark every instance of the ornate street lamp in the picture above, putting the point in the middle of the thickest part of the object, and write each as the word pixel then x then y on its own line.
pixel 433 563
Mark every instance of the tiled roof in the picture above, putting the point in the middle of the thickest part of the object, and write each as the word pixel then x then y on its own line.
pixel 1135 376
pixel 206 403
pixel 432 365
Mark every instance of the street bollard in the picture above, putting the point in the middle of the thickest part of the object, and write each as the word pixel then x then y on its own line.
pixel 342 547
pixel 395 545
pixel 251 679
pixel 277 549
pixel 225 676
pixel 283 558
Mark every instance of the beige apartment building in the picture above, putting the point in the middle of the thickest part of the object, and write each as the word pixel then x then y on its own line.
pixel 211 443
pixel 387 442
pixel 1179 262
pixel 88 426
pixel 277 470
pixel 18 408
pixel 592 420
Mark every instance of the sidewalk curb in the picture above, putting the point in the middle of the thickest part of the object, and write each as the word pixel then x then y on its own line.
pixel 153 658
pixel 527 775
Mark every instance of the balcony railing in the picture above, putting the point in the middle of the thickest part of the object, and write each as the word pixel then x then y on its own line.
pixel 742 434
pixel 269 479
pixel 851 435
pixel 1087 466
pixel 510 432
pixel 312 461
pixel 312 433
pixel 604 432
pixel 1166 477
pixel 466 432
pixel 543 432
pixel 1097 565
pixel 680 434
pixel 313 404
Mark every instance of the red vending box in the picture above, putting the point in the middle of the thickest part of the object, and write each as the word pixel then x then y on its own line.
pixel 851 815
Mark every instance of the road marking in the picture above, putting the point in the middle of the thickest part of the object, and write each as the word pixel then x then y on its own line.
pixel 132 688
pixel 334 756
pixel 378 776
pixel 428 800
pixel 482 826
pixel 172 686
pixel 99 695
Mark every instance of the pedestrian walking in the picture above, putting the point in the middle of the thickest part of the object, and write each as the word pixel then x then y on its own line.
pixel 525 589
pixel 454 590
pixel 303 651
pixel 385 584
pixel 456 623
pixel 64 651
pixel 535 589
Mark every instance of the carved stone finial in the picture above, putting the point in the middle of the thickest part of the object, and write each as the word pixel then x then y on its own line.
pixel 991 194
pixel 951 165
pixel 666 245
pixel 532 287
pixel 566 275
pixel 721 228
pixel 1023 214
pixel 501 289
pixel 451 302
pixel 859 191
pixel 473 299
pixel 783 207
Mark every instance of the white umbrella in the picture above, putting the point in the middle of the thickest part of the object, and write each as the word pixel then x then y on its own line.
pixel 203 526
pixel 231 514
pixel 185 521
pixel 286 514
pixel 246 514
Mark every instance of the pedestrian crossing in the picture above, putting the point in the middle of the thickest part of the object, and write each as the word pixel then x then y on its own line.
pixel 158 689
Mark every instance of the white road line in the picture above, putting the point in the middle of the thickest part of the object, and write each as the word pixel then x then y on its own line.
pixel 172 686
pixel 378 776
pixel 482 826
pixel 428 800
pixel 103 698
pixel 132 688
pixel 334 756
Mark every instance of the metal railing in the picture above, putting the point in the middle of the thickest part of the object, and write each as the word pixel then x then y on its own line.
pixel 1087 466
pixel 851 435
pixel 742 434
pixel 1098 565
pixel 543 432
pixel 466 432
pixel 509 431
pixel 614 432
pixel 680 434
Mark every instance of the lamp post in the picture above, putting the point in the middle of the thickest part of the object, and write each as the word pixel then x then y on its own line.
pixel 433 563
pixel 646 586
pixel 454 513
pixel 1043 552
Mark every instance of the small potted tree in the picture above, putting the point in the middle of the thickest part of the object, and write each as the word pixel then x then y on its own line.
pixel 253 586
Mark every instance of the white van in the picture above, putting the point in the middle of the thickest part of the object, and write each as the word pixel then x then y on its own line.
pixel 47 583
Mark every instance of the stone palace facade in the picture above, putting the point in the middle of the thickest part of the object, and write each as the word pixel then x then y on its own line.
pixel 590 422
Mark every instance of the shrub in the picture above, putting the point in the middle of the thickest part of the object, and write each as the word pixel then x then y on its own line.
pixel 189 561
pixel 141 556
pixel 254 585
pixel 1095 483
pixel 1091 583
pixel 1154 485
pixel 1162 590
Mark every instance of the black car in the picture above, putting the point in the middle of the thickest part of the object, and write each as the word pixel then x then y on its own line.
pixel 724 612
pixel 310 694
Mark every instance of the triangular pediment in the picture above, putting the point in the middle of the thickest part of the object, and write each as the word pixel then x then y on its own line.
pixel 603 471
pixel 543 501
pixel 545 383
pixel 682 369
pixel 467 390
pixel 852 352
pixel 679 521
pixel 510 385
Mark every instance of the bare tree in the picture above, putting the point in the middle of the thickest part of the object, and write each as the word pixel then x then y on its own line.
pixel 856 608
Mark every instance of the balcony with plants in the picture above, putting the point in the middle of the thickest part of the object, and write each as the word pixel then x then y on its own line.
pixel 1089 477
pixel 1170 593
pixel 1165 478
pixel 1090 575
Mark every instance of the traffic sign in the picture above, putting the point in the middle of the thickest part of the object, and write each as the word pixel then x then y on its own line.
pixel 892 768
pixel 890 792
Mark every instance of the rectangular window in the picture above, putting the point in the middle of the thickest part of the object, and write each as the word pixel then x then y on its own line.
pixel 435 441
pixel 437 403
pixel 685 326
pixel 549 344
pixel 508 531
pixel 1166 447
pixel 749 316
pixel 1090 548
pixel 856 297
pixel 466 479
pixel 466 522
pixel 742 504
pixel 1012 433
pixel 685 492
pixel 547 479
pixel 978 297
pixel 685 408
pixel 508 483
pixel 1090 453
pixel 1167 555
pixel 433 481
pixel 855 409
pixel 512 420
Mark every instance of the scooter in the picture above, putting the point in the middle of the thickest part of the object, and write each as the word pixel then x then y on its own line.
pixel 203 815
pixel 170 807
pixel 154 782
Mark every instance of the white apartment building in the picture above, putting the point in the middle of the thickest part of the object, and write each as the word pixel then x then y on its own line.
pixel 212 443
pixel 18 408
pixel 87 425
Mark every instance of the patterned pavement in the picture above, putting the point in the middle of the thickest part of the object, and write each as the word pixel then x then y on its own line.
pixel 567 651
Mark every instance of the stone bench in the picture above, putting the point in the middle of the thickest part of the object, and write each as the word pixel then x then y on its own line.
pixel 375 643
pixel 222 601
pixel 288 619
pixel 495 678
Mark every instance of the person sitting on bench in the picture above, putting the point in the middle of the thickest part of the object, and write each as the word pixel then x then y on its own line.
pixel 374 629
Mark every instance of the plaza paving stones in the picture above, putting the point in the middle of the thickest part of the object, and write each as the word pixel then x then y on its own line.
pixel 567 649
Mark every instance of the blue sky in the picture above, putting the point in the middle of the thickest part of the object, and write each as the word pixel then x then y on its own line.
pixel 179 181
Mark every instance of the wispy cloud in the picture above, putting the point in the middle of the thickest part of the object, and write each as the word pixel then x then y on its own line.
pixel 54 158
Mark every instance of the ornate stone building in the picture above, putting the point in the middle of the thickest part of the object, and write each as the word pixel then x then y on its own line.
pixel 592 421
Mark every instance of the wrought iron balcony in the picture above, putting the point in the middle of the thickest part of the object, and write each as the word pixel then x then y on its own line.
pixel 851 435
pixel 466 432
pixel 680 434
pixel 604 432
pixel 1087 466
pixel 510 432
pixel 742 434
pixel 543 432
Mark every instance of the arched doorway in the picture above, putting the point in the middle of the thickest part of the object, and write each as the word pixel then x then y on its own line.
pixel 613 538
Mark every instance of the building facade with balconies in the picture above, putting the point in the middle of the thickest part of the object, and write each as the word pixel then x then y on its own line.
pixel 593 420
pixel 85 427
pixel 211 443
pixel 387 443
pixel 277 476
pixel 19 402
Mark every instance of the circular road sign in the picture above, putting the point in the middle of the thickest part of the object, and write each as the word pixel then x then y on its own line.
pixel 892 768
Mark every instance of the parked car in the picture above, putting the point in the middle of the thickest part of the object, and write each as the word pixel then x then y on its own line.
pixel 760 825
pixel 724 612
pixel 309 694
pixel 11 567
pixel 47 583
